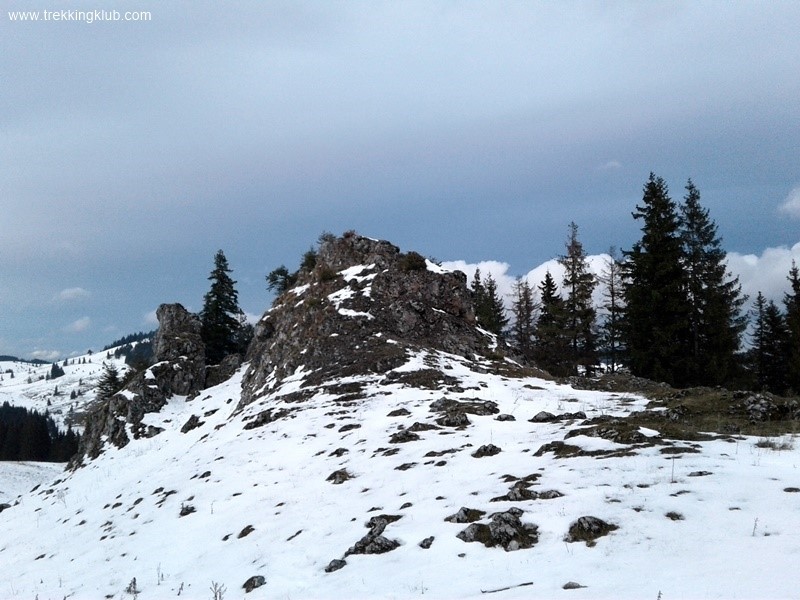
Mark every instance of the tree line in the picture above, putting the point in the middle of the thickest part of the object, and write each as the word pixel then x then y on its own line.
pixel 29 435
pixel 671 311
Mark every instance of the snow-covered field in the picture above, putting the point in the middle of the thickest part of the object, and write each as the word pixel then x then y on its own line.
pixel 30 387
pixel 257 502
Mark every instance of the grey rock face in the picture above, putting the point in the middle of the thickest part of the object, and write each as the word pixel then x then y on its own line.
pixel 178 344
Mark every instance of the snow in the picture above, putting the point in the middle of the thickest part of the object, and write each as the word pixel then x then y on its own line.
pixel 88 535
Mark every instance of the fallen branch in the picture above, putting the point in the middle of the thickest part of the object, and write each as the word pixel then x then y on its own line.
pixel 511 587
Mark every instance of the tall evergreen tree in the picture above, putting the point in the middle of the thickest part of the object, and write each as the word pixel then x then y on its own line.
pixel 221 317
pixel 776 349
pixel 656 306
pixel 611 344
pixel 791 302
pixel 714 297
pixel 110 382
pixel 757 355
pixel 489 308
pixel 579 311
pixel 551 349
pixel 523 308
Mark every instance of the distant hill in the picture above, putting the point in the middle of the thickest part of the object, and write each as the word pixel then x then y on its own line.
pixel 34 361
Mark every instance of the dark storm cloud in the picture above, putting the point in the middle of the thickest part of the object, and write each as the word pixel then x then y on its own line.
pixel 130 151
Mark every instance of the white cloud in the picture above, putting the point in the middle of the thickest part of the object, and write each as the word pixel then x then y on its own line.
pixel 791 206
pixel 150 318
pixel 78 325
pixel 47 355
pixel 73 293
pixel 766 273
pixel 611 165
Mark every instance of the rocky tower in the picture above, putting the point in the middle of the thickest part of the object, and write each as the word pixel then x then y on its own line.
pixel 357 311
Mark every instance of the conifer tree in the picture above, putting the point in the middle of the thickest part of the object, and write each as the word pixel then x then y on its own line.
pixel 110 382
pixel 523 307
pixel 221 317
pixel 714 297
pixel 611 328
pixel 791 302
pixel 579 311
pixel 551 349
pixel 489 308
pixel 756 356
pixel 656 306
pixel 495 319
pixel 776 349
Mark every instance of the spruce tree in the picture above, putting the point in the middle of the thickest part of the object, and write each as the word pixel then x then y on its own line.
pixel 495 319
pixel 776 349
pixel 610 339
pixel 714 297
pixel 221 317
pixel 579 311
pixel 551 349
pixel 656 306
pixel 523 308
pixel 110 382
pixel 756 356
pixel 489 308
pixel 791 302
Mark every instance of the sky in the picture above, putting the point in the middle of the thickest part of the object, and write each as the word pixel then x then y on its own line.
pixel 132 150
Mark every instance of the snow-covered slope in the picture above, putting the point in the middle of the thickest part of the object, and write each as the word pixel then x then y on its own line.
pixel 31 388
pixel 248 494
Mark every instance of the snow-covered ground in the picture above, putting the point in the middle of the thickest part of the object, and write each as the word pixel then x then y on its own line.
pixel 258 502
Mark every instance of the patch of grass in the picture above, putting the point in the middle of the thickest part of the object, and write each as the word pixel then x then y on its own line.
pixel 775 444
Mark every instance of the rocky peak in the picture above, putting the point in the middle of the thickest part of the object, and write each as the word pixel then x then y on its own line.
pixel 178 343
pixel 357 312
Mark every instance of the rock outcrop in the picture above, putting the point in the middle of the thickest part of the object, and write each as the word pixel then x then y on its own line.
pixel 179 352
pixel 179 369
pixel 359 310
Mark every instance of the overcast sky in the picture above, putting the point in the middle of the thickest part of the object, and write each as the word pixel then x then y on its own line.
pixel 131 151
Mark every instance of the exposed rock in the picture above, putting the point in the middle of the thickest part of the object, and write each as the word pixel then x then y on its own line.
pixel 178 344
pixel 571 585
pixel 4 506
pixel 466 515
pixel 486 450
pixel 543 417
pixel 473 407
pixel 454 418
pixel 399 412
pixel 256 581
pixel 403 436
pixel 427 542
pixel 588 529
pixel 505 417
pixel 339 476
pixel 374 542
pixel 193 423
pixel 267 416
pixel 216 374
pixel 335 565
pixel 505 529
pixel 358 311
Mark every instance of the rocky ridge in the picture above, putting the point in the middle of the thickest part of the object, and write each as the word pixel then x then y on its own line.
pixel 359 311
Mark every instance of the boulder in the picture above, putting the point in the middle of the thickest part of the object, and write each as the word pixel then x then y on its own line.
pixel 505 530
